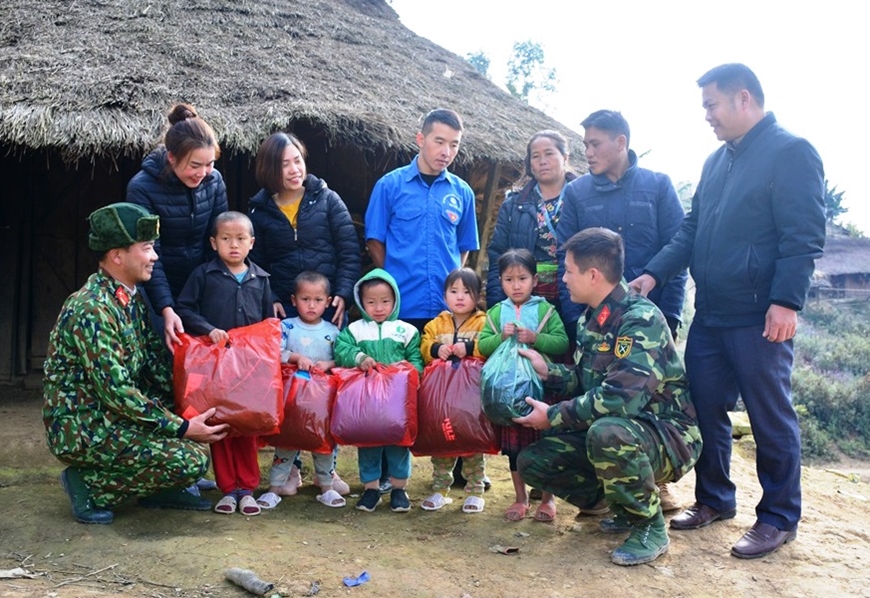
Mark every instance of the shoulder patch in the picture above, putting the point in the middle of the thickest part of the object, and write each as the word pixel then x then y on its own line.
pixel 623 346
pixel 603 315
pixel 122 296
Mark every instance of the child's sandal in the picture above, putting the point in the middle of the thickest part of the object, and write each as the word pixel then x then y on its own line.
pixel 248 506
pixel 435 502
pixel 473 504
pixel 331 498
pixel 227 505
pixel 268 500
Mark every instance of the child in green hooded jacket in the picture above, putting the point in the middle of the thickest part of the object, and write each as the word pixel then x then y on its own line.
pixel 380 337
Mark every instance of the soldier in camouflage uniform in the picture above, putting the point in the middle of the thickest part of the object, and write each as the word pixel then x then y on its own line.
pixel 634 426
pixel 108 391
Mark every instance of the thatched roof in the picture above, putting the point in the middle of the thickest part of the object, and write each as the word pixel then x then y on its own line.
pixel 96 77
pixel 844 255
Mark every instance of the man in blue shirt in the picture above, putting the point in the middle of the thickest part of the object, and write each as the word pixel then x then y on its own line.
pixel 421 221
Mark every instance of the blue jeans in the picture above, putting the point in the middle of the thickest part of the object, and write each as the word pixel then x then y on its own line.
pixel 370 462
pixel 723 363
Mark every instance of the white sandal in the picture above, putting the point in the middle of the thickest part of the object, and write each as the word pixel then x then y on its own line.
pixel 227 505
pixel 473 504
pixel 338 484
pixel 248 506
pixel 435 502
pixel 268 500
pixel 331 498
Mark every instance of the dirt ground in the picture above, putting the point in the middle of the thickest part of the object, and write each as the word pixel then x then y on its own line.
pixel 306 548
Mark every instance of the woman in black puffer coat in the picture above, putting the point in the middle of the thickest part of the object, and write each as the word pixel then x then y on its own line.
pixel 300 224
pixel 527 218
pixel 178 182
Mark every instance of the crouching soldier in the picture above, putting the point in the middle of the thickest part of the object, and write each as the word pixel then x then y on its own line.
pixel 634 426
pixel 108 385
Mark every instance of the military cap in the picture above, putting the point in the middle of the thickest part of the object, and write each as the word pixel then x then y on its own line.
pixel 120 225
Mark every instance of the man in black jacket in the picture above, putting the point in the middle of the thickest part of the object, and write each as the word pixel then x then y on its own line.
pixel 756 227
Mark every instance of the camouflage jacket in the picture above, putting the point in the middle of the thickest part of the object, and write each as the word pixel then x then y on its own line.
pixel 628 366
pixel 106 367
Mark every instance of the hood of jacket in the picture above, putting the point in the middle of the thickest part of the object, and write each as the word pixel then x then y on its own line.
pixel 379 274
pixel 604 184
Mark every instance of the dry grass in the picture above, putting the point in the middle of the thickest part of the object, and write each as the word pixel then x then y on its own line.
pixel 95 77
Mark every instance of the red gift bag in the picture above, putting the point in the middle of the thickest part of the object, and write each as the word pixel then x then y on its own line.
pixel 241 378
pixel 376 408
pixel 450 420
pixel 308 399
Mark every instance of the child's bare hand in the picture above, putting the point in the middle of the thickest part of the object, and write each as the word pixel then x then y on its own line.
pixel 509 330
pixel 324 366
pixel 278 309
pixel 524 335
pixel 217 335
pixel 304 363
pixel 445 351
pixel 459 350
pixel 367 364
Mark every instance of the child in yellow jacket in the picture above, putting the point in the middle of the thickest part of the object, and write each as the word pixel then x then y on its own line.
pixel 453 335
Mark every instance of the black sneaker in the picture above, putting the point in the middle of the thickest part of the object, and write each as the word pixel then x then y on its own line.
pixel 369 500
pixel 399 502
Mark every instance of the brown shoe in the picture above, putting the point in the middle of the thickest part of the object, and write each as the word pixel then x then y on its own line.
pixel 761 540
pixel 599 508
pixel 699 515
pixel 669 500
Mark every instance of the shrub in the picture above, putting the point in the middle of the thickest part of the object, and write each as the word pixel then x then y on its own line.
pixel 830 382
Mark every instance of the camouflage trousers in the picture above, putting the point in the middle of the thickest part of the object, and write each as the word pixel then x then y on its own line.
pixel 133 462
pixel 618 459
pixel 473 470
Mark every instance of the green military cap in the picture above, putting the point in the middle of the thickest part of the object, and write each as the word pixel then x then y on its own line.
pixel 120 225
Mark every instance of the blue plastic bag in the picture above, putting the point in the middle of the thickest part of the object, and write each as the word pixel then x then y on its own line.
pixel 506 380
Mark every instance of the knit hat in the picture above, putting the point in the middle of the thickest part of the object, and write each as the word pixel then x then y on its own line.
pixel 120 225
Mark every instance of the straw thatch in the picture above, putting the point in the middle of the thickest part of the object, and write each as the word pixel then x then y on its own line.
pixel 844 256
pixel 94 78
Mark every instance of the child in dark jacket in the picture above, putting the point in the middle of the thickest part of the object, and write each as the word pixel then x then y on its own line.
pixel 229 292
pixel 380 337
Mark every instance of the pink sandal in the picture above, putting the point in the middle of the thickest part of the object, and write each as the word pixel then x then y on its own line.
pixel 516 512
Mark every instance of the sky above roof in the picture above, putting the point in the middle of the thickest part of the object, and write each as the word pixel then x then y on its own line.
pixel 643 59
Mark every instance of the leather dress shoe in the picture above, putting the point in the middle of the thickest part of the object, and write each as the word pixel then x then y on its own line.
pixel 699 515
pixel 79 495
pixel 761 540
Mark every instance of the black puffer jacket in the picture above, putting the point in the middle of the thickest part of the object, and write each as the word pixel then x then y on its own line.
pixel 516 227
pixel 186 220
pixel 324 241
